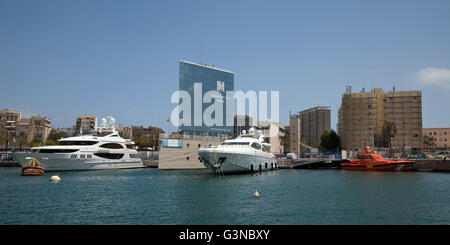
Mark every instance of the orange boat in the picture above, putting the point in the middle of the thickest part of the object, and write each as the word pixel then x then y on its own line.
pixel 371 161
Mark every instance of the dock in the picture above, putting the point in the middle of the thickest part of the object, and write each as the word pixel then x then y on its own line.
pixel 9 163
pixel 431 165
pixel 309 163
pixel 150 163
pixel 422 165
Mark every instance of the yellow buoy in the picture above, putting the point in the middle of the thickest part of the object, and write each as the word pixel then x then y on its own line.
pixel 55 178
pixel 256 194
pixel 149 178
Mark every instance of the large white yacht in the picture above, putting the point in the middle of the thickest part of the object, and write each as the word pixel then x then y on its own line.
pixel 86 152
pixel 247 153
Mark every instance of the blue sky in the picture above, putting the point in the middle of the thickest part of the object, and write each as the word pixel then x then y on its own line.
pixel 65 58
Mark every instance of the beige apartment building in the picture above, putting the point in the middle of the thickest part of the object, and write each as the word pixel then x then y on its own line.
pixel 12 122
pixel 362 115
pixel 294 137
pixel 85 124
pixel 306 127
pixel 8 121
pixel 436 138
pixel 313 122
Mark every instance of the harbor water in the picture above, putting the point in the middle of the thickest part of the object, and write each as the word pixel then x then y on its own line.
pixel 150 196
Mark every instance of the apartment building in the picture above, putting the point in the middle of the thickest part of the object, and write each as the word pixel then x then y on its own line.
pixel 20 128
pixel 436 138
pixel 362 115
pixel 85 124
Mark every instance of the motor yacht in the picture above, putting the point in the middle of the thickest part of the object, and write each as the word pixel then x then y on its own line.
pixel 87 152
pixel 246 153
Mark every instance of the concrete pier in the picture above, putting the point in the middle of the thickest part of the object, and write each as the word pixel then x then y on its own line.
pixel 9 163
pixel 150 163
pixel 421 165
pixel 432 165
pixel 308 163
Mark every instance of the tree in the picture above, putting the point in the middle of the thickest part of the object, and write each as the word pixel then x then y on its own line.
pixel 6 139
pixel 147 137
pixel 22 141
pixel 138 138
pixel 55 136
pixel 285 142
pixel 389 130
pixel 329 141
pixel 36 142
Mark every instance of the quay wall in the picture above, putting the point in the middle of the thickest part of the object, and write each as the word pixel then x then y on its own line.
pixel 432 165
pixel 421 165
pixel 185 157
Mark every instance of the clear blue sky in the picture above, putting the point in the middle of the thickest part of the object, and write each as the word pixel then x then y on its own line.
pixel 65 58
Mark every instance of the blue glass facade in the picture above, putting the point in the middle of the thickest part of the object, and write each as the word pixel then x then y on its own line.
pixel 212 79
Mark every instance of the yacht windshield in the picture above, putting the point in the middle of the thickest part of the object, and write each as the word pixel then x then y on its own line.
pixel 256 146
pixel 235 143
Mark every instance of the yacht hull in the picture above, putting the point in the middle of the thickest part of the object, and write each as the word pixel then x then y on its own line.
pixel 63 162
pixel 235 162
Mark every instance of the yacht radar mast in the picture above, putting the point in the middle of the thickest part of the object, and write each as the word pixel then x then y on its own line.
pixel 108 124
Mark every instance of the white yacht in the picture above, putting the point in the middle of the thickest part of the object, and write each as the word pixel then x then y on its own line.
pixel 88 152
pixel 247 153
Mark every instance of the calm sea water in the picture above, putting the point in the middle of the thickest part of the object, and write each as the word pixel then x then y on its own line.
pixel 197 197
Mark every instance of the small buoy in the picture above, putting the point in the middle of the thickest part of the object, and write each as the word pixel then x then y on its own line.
pixel 55 178
pixel 195 177
pixel 149 178
pixel 256 194
pixel 256 174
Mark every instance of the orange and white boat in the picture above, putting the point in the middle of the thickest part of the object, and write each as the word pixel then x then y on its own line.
pixel 371 161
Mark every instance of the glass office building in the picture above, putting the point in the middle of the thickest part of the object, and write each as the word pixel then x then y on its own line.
pixel 211 79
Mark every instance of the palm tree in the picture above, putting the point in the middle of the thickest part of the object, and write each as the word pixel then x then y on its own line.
pixel 389 130
pixel 6 139
pixel 138 138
